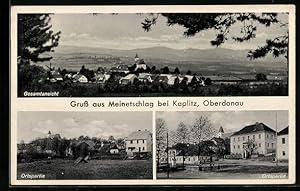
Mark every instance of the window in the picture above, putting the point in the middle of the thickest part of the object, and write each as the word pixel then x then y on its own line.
pixel 137 141
pixel 283 140
pixel 143 141
pixel 268 144
pixel 238 146
pixel 283 153
pixel 271 136
pixel 234 139
pixel 272 145
pixel 243 138
pixel 259 136
pixel 248 137
pixel 233 146
pixel 131 141
pixel 259 144
pixel 267 135
pixel 253 137
pixel 143 148
pixel 238 138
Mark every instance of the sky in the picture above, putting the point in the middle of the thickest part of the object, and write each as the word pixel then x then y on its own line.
pixel 32 124
pixel 124 31
pixel 231 121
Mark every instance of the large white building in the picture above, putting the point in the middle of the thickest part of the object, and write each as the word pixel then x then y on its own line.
pixel 263 137
pixel 283 144
pixel 139 141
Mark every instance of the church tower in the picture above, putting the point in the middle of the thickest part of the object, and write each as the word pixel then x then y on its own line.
pixel 221 132
pixel 49 134
pixel 136 58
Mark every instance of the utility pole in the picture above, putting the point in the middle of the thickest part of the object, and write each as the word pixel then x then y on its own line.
pixel 276 142
pixel 168 154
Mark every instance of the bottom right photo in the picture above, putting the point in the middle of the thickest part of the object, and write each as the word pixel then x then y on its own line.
pixel 222 145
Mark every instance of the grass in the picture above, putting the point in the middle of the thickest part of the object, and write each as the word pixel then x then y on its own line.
pixel 94 169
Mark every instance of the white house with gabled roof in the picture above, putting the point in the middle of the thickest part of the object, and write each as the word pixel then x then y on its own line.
pixel 138 141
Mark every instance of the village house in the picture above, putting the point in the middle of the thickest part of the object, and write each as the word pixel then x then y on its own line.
pixel 122 68
pixel 145 77
pixel 127 79
pixel 187 154
pixel 138 141
pixel 80 78
pixel 263 137
pixel 283 144
pixel 55 76
pixel 101 77
pixel 114 149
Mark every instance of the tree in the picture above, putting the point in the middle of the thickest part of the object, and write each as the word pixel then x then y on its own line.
pixel 261 77
pixel 250 147
pixel 35 37
pixel 222 23
pixel 189 72
pixel 201 130
pixel 207 81
pixel 165 70
pixel 182 135
pixel 161 137
pixel 176 71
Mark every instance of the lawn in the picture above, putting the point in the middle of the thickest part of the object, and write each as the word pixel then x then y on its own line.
pixel 232 169
pixel 94 169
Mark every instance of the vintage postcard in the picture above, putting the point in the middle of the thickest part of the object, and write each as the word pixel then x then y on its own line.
pixel 152 95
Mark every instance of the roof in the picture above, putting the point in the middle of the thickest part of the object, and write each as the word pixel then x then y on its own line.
pixel 129 76
pixel 89 143
pixel 144 75
pixel 284 131
pixel 257 127
pixel 78 76
pixel 139 135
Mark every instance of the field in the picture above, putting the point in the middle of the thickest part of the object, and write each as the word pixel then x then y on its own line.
pixel 94 169
pixel 233 169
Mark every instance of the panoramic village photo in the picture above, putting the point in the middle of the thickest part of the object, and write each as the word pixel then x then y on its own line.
pixel 152 54
pixel 222 145
pixel 84 145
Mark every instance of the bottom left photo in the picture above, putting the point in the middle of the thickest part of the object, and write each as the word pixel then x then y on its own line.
pixel 84 145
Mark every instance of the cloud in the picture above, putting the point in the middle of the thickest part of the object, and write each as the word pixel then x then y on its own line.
pixel 70 128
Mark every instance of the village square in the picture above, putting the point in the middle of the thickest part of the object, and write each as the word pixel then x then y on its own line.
pixel 202 150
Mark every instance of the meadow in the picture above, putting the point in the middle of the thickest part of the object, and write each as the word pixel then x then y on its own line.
pixel 94 169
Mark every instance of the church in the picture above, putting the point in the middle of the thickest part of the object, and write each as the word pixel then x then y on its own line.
pixel 140 63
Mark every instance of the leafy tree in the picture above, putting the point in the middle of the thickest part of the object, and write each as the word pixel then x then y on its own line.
pixel 161 137
pixel 250 147
pixel 182 135
pixel 222 23
pixel 261 77
pixel 201 130
pixel 35 37
pixel 166 70
pixel 207 81
pixel 176 71
pixel 194 80
pixel 189 72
